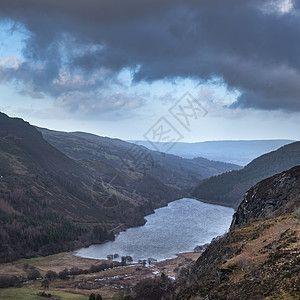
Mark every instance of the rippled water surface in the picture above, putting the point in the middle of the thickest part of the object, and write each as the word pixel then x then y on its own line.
pixel 177 228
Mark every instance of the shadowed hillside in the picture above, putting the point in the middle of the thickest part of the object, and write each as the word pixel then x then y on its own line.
pixel 229 188
pixel 50 203
pixel 172 170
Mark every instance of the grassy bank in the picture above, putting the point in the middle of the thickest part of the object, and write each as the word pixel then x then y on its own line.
pixel 30 294
pixel 108 283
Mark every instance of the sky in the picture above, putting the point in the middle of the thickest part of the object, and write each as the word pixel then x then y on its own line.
pixel 138 69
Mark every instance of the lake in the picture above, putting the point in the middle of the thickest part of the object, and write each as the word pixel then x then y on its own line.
pixel 176 228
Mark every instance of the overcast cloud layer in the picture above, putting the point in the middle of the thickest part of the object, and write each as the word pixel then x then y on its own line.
pixel 77 47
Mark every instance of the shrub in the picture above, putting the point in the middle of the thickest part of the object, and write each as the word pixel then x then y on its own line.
pixel 33 274
pixel 92 296
pixel 51 275
pixel 43 294
pixel 243 263
pixel 149 289
pixel 8 281
pixel 95 297
pixel 75 271
pixel 98 268
pixel 45 284
pixel 63 274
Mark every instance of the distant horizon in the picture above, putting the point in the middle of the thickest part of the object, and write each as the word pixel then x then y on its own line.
pixel 218 78
pixel 136 140
pixel 238 140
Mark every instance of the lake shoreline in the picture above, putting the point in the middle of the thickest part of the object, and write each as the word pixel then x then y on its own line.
pixel 187 221
pixel 224 204
pixel 123 228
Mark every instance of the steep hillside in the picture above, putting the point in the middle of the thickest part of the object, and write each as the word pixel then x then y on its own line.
pixel 229 188
pixel 260 257
pixel 170 169
pixel 50 203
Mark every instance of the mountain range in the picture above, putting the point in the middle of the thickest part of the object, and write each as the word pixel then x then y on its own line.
pixel 175 171
pixel 240 152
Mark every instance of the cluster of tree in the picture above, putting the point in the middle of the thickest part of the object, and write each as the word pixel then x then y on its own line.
pixel 48 233
pixel 101 234
pixel 10 281
pixel 150 288
pixel 39 231
pixel 65 274
pixel 153 288
pixel 112 256
pixel 32 274
pixel 44 294
pixel 161 287
pixel 95 297
pixel 144 262
pixel 126 259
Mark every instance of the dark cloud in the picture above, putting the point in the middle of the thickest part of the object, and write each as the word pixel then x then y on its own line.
pixel 251 45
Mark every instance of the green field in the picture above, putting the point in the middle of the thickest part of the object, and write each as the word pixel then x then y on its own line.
pixel 30 294
pixel 28 260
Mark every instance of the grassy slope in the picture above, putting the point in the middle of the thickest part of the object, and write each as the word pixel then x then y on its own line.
pixel 31 294
pixel 257 261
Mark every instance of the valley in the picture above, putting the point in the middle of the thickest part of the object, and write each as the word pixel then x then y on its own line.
pixel 61 192
pixel 149 150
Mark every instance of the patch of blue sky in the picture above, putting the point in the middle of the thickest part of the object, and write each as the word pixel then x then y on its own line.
pixel 12 39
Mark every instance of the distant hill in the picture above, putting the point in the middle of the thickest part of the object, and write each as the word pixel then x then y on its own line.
pixel 229 188
pixel 236 152
pixel 172 170
pixel 51 203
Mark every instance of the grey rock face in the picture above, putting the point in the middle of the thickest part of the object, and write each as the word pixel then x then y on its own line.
pixel 280 192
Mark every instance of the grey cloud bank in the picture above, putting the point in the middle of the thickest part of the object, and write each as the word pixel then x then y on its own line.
pixel 252 45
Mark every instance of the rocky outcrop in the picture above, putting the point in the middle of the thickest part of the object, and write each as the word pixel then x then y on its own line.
pixel 265 198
